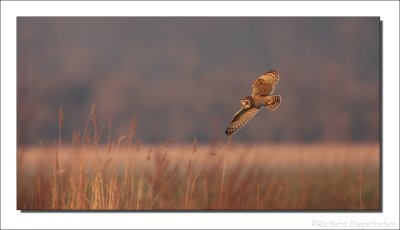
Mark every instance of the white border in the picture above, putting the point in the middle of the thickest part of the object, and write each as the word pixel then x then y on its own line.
pixel 11 218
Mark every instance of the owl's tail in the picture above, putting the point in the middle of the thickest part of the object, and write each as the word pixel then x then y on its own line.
pixel 274 103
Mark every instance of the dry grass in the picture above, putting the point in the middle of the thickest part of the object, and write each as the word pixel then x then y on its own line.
pixel 125 176
pixel 169 177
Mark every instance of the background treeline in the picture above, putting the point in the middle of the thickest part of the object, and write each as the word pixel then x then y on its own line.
pixel 182 78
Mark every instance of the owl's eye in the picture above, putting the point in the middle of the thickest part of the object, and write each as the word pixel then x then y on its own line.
pixel 246 104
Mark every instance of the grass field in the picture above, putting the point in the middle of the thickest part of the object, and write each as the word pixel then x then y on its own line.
pixel 199 177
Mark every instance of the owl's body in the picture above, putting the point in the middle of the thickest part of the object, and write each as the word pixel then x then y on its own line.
pixel 263 87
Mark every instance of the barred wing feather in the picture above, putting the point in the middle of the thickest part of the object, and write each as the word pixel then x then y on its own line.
pixel 240 119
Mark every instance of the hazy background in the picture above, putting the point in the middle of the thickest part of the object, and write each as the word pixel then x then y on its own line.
pixel 184 77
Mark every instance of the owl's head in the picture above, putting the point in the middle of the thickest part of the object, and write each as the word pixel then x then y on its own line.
pixel 247 102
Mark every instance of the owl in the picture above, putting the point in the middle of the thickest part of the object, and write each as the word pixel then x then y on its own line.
pixel 263 87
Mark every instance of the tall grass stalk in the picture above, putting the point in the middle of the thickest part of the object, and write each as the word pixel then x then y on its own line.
pixel 221 191
pixel 360 179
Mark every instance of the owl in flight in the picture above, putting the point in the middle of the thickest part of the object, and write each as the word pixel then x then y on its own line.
pixel 263 87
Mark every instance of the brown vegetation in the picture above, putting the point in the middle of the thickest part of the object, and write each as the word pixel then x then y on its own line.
pixel 125 176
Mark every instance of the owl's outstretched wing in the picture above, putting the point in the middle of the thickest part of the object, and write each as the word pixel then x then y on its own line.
pixel 265 84
pixel 240 119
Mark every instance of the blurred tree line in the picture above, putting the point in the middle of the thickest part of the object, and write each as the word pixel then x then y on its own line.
pixel 182 78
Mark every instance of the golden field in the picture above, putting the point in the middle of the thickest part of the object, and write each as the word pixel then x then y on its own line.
pixel 124 176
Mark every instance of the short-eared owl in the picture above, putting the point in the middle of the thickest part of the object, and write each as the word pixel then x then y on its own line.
pixel 263 87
